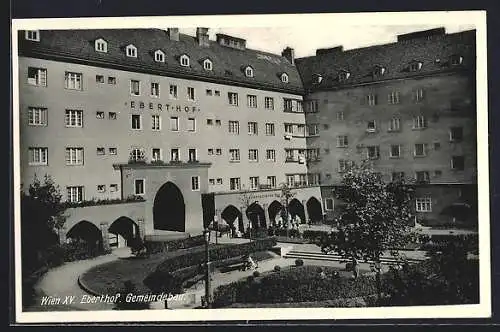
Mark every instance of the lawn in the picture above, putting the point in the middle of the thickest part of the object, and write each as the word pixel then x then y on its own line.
pixel 109 278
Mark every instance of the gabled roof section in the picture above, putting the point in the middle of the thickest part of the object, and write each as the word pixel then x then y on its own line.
pixel 435 53
pixel 73 46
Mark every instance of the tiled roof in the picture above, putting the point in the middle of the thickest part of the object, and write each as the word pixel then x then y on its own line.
pixel 434 53
pixel 228 63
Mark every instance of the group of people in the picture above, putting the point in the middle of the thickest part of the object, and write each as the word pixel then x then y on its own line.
pixel 293 223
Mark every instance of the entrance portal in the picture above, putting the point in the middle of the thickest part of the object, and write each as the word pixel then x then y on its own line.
pixel 169 210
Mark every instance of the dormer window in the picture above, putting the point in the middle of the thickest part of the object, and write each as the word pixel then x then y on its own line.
pixel 378 71
pixel 415 66
pixel 33 35
pixel 101 45
pixel 131 51
pixel 344 76
pixel 184 60
pixel 159 56
pixel 284 78
pixel 207 64
pixel 317 78
pixel 456 60
pixel 249 71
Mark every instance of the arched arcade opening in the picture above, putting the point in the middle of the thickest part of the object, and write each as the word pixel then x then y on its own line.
pixel 256 215
pixel 169 210
pixel 314 210
pixel 88 234
pixel 274 210
pixel 295 208
pixel 233 217
pixel 122 232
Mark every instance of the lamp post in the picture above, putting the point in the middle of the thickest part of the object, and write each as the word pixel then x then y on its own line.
pixel 216 226
pixel 206 233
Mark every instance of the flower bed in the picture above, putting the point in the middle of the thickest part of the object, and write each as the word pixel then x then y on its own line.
pixel 295 284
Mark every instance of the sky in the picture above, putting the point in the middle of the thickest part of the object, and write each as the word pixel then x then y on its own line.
pixel 305 40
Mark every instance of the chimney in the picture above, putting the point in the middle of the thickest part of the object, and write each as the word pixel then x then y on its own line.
pixel 289 54
pixel 322 51
pixel 173 34
pixel 202 36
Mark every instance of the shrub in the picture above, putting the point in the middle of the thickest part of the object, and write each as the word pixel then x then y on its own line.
pixel 154 247
pixel 256 274
pixel 313 235
pixel 277 268
pixel 250 279
pixel 155 281
pixel 299 262
pixel 319 269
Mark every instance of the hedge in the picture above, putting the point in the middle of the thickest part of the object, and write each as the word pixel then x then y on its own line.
pixel 154 247
pixel 298 284
pixel 162 279
pixel 313 235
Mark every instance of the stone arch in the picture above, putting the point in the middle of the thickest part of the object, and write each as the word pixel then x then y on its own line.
pixel 256 215
pixel 314 209
pixel 273 210
pixel 169 209
pixel 124 227
pixel 230 214
pixel 295 208
pixel 87 232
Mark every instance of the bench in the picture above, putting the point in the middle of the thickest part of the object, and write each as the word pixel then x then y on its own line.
pixel 239 263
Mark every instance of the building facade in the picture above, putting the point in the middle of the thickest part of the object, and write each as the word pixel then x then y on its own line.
pixel 198 128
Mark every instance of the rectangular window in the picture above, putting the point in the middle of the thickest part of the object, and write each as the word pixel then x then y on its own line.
pixel 418 95
pixel 210 122
pixel 234 127
pixel 269 103
pixel 344 165
pixel 252 101
pixel 99 78
pixel 422 176
pixel 190 93
pixel 112 115
pixel 288 129
pixel 112 80
pixel 74 156
pixel 37 116
pixel 271 181
pixel 340 116
pixel 192 155
pixel 174 123
pixel 232 98
pixel 397 176
pixel 271 155
pixel 33 35
pixel 139 187
pixel 191 124
pixel 312 106
pixel 137 154
pixel 371 99
pixel 174 155
pixel 394 124
pixel 208 92
pixel 219 180
pixel 420 150
pixel 270 129
pixel 234 155
pixel 113 187
pixel 395 151
pixel 234 184
pixel 423 204
pixel 99 115
pixel 156 154
pixel 173 91
pixel 393 98
pixel 329 204
pixel 290 180
pixel 136 122
pixel 155 89
pixel 211 182
pixel 312 130
pixel 458 163
pixel 371 126
pixel 253 155
pixel 135 87
pixel 342 141
pixel 456 134
pixel 218 152
pixel 252 128
pixel 38 156
pixel 100 151
pixel 254 182
pixel 210 152
pixel 74 194
pixel 195 183
pixel 218 123
pixel 289 155
pixel 113 151
pixel 419 122
pixel 155 122
pixel 373 152
pixel 217 93
pixel 37 76
pixel 101 188
pixel 73 81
